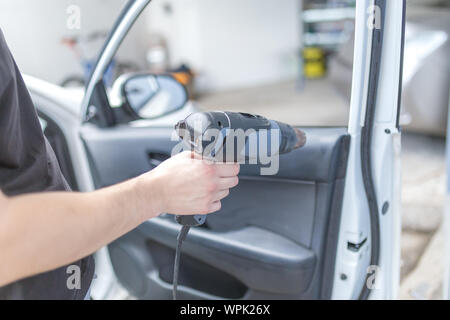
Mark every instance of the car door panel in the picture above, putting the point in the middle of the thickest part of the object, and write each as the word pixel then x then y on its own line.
pixel 285 265
pixel 123 152
pixel 272 238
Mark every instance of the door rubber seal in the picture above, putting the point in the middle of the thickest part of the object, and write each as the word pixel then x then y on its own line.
pixel 366 143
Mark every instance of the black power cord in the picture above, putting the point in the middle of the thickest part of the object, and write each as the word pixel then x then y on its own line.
pixel 176 269
pixel 187 222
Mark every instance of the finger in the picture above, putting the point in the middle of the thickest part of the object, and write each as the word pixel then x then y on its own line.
pixel 196 156
pixel 206 160
pixel 221 194
pixel 228 170
pixel 187 154
pixel 227 183
pixel 215 206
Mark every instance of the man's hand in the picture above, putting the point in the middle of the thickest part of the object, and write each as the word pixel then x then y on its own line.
pixel 187 185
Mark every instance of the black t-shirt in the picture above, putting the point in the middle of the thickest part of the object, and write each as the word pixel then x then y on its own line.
pixel 28 164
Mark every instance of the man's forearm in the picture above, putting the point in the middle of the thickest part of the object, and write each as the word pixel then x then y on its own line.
pixel 41 232
pixel 44 231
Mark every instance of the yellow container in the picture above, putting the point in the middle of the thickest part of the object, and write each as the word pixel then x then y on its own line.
pixel 314 63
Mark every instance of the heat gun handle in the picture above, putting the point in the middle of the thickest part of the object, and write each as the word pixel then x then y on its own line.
pixel 191 221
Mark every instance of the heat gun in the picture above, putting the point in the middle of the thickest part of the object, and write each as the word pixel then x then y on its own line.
pixel 234 137
pixel 231 137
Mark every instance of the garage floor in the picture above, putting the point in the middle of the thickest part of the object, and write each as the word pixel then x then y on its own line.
pixel 318 104
pixel 423 171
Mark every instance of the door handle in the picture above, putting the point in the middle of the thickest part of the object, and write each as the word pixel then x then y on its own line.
pixel 156 158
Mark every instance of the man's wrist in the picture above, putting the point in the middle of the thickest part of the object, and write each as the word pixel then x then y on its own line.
pixel 149 202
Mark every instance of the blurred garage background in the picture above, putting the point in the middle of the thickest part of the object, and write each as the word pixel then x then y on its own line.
pixel 289 60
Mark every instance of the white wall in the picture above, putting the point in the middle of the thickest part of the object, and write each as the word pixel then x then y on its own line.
pixel 232 43
pixel 34 28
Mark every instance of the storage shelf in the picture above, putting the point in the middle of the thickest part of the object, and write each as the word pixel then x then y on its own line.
pixel 325 39
pixel 328 15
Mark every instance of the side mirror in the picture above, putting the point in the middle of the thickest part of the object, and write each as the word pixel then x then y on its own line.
pixel 151 96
